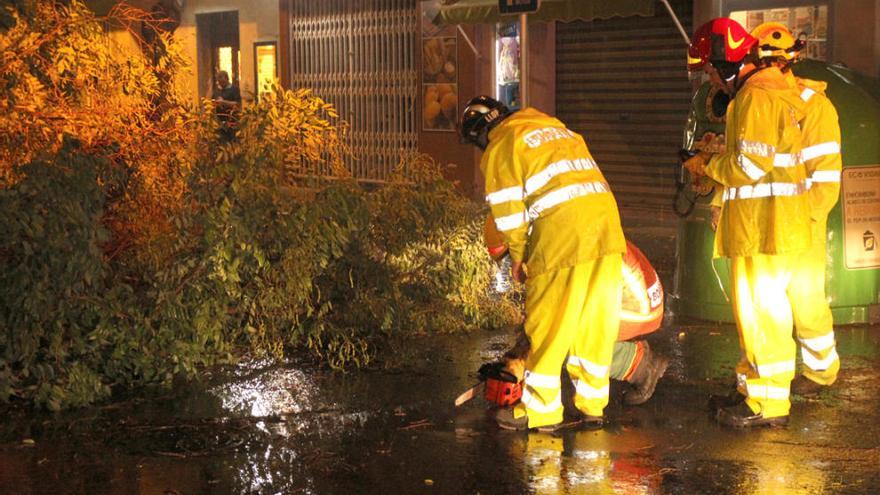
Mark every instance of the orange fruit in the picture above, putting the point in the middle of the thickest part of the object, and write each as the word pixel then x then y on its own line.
pixel 448 105
pixel 432 110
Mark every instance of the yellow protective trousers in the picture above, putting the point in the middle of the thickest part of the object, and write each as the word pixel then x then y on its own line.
pixel 812 315
pixel 573 311
pixel 764 320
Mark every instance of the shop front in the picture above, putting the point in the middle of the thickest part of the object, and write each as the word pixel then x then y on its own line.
pixel 612 71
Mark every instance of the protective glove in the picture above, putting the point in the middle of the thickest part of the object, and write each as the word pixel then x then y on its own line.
pixel 518 271
pixel 714 144
pixel 696 164
pixel 716 217
pixel 515 358
pixel 705 141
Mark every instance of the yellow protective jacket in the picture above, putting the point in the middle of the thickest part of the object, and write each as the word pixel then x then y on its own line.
pixel 548 197
pixel 765 210
pixel 821 148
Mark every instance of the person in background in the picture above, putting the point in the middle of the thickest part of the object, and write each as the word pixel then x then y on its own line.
pixel 560 224
pixel 227 102
pixel 765 218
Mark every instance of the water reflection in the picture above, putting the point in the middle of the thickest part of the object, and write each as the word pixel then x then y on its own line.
pixel 271 392
pixel 272 470
pixel 584 462
pixel 771 469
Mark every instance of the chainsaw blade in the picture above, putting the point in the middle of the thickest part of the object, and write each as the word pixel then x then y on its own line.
pixel 467 395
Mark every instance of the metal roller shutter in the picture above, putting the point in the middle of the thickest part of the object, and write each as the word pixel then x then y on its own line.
pixel 360 56
pixel 622 83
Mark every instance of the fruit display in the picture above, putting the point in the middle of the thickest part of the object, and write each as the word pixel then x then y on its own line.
pixel 440 106
pixel 439 75
pixel 439 63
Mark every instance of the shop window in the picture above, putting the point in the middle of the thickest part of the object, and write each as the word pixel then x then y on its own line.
pixel 810 21
pixel 265 66
pixel 507 64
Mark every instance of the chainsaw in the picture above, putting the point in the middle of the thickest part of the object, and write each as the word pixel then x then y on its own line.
pixel 500 386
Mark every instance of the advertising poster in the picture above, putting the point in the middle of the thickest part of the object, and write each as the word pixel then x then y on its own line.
pixel 860 198
pixel 439 72
pixel 809 22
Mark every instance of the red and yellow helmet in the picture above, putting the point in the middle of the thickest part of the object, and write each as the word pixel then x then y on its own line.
pixel 776 41
pixel 719 40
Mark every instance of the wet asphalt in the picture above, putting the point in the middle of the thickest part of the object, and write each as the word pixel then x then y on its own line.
pixel 264 428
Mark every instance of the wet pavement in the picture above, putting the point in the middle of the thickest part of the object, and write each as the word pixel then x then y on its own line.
pixel 263 428
pixel 270 429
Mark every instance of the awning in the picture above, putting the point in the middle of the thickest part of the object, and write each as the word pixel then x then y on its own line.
pixel 162 8
pixel 486 11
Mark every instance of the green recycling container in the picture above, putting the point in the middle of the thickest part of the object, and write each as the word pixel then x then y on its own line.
pixel 701 286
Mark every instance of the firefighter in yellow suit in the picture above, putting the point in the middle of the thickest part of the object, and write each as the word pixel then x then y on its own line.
pixel 560 220
pixel 765 218
pixel 821 154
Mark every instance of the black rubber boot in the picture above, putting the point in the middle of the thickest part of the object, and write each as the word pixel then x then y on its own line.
pixel 590 422
pixel 719 401
pixel 644 378
pixel 742 416
pixel 506 420
pixel 805 387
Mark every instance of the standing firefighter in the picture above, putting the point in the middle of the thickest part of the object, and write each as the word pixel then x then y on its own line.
pixel 821 155
pixel 559 219
pixel 765 217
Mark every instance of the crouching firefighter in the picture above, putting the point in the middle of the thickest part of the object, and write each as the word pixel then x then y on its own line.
pixel 558 217
pixel 641 313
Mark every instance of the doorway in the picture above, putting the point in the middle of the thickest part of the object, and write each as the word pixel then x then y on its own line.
pixel 217 48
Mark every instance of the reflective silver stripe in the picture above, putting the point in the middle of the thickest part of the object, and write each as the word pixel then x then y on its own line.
pixel 564 194
pixel 591 455
pixel 764 190
pixel 587 391
pixel 825 176
pixel 819 344
pixel 767 392
pixel 785 160
pixel 541 458
pixel 588 366
pixel 756 148
pixel 817 364
pixel 511 222
pixel 514 193
pixel 741 380
pixel 535 404
pixel 749 167
pixel 807 93
pixel 544 381
pixel 540 136
pixel 541 178
pixel 821 149
pixel 765 370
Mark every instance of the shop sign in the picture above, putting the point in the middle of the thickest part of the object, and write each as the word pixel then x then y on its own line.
pixel 518 6
pixel 860 198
